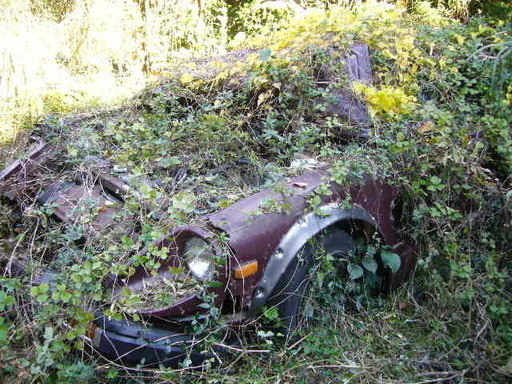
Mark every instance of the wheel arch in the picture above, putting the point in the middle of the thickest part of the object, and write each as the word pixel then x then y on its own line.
pixel 304 229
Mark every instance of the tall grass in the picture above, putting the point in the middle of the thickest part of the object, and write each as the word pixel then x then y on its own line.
pixel 55 59
pixel 26 47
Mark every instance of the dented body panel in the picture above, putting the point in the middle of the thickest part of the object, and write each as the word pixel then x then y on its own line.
pixel 17 182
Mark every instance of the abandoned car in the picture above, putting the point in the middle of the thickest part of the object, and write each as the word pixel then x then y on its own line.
pixel 234 260
pixel 254 254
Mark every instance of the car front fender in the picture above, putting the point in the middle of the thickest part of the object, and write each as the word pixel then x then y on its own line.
pixel 297 236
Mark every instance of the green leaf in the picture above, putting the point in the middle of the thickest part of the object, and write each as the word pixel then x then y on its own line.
pixel 355 271
pixel 127 241
pixel 42 298
pixel 265 54
pixel 126 291
pixel 361 244
pixel 265 334
pixel 184 201
pixel 34 291
pixel 391 260
pixel 169 162
pixel 370 264
pixel 3 332
pixel 5 300
pixel 176 270
pixel 112 374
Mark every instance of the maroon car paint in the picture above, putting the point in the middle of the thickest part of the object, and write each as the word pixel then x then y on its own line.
pixel 256 236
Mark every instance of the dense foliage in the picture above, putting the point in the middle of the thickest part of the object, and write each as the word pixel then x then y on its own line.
pixel 441 108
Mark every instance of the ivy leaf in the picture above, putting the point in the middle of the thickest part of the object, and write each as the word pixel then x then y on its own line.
pixel 355 271
pixel 370 264
pixel 42 298
pixel 391 259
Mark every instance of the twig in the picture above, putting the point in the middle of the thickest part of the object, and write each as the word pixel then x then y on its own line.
pixel 438 374
pixel 485 326
pixel 344 366
pixel 441 379
pixel 298 342
pixel 242 350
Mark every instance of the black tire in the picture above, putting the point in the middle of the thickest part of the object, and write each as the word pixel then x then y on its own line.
pixel 292 290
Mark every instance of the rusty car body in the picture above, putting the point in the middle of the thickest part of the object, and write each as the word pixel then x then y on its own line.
pixel 256 246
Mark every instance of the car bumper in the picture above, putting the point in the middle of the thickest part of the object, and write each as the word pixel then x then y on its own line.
pixel 125 342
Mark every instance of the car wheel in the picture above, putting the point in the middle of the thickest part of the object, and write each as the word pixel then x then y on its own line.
pixel 291 293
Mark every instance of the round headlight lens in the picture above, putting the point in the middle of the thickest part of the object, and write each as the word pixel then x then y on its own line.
pixel 200 258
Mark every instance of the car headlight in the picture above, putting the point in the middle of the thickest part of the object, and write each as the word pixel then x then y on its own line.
pixel 199 256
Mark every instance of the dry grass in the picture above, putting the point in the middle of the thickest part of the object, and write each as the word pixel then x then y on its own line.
pixel 97 54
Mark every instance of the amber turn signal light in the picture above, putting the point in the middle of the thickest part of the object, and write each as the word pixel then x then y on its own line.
pixel 246 269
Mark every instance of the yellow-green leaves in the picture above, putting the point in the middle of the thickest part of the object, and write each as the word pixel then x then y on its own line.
pixel 385 101
pixel 186 78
